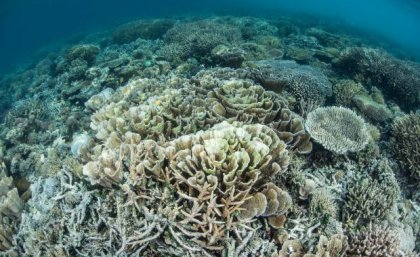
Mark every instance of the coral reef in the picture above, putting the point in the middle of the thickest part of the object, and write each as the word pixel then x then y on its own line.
pixel 161 137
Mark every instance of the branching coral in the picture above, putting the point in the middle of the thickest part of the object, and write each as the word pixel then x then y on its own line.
pixel 406 142
pixel 369 199
pixel 308 85
pixel 399 79
pixel 375 242
pixel 151 29
pixel 197 39
pixel 337 129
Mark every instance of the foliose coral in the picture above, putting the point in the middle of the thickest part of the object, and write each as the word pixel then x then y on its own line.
pixel 83 52
pixel 213 173
pixel 338 129
pixel 326 247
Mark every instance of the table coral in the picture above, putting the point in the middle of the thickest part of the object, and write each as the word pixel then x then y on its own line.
pixel 338 129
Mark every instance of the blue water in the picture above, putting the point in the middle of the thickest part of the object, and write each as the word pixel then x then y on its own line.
pixel 27 26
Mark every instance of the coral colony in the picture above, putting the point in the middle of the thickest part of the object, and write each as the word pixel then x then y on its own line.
pixel 218 136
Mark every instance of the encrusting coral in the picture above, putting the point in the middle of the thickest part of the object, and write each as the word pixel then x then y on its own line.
pixel 338 129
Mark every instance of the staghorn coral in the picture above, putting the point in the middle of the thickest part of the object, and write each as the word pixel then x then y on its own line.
pixel 375 242
pixel 69 219
pixel 323 209
pixel 406 142
pixel 337 129
pixel 369 199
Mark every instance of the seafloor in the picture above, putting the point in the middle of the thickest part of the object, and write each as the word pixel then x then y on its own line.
pixel 214 136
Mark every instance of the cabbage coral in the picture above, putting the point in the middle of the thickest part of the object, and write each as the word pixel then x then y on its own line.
pixel 213 174
pixel 337 129
pixel 215 171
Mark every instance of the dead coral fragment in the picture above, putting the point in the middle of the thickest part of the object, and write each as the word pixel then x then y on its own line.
pixel 338 129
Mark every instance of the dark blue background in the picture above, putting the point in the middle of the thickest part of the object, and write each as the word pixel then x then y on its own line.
pixel 28 25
